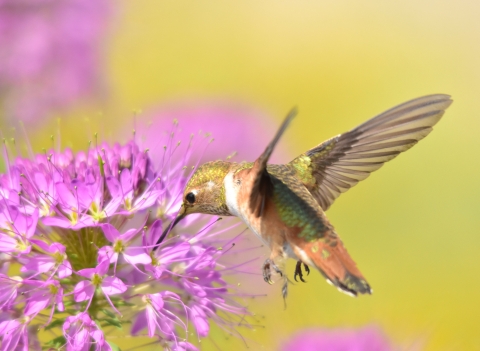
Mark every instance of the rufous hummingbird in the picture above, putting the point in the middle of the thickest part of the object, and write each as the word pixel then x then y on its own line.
pixel 284 205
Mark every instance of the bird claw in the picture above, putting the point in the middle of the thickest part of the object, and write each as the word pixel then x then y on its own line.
pixel 298 271
pixel 267 273
pixel 285 292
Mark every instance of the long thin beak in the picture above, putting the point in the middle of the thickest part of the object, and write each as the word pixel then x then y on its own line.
pixel 181 215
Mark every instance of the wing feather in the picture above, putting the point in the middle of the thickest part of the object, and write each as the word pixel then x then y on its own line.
pixel 339 163
pixel 262 185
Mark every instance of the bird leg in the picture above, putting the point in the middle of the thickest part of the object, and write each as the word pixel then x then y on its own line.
pixel 276 262
pixel 267 273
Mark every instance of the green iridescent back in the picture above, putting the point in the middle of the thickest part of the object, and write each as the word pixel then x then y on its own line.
pixel 296 206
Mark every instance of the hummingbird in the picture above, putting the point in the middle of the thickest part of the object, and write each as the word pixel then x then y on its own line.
pixel 285 204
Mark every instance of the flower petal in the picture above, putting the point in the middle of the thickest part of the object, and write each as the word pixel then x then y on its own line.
pixel 39 263
pixel 87 272
pixel 111 233
pixel 107 253
pixel 200 321
pixel 7 243
pixel 136 255
pixel 38 301
pixel 65 269
pixel 112 286
pixel 84 290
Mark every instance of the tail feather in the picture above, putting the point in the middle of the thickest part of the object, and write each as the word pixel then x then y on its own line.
pixel 332 260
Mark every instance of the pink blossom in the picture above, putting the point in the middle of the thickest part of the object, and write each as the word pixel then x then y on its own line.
pixel 159 315
pixel 366 339
pixel 13 333
pixel 50 54
pixel 19 228
pixel 82 334
pixel 55 260
pixel 165 255
pixel 9 289
pixel 48 293
pixel 121 245
pixel 85 289
pixel 234 128
pixel 123 190
pixel 84 226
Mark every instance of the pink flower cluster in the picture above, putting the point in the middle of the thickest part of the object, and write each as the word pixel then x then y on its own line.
pixel 78 237
pixel 339 339
pixel 50 54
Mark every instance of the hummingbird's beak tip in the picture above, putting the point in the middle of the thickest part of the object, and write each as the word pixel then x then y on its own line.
pixel 180 215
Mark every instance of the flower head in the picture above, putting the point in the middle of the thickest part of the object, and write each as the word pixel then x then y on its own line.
pixel 50 54
pixel 121 246
pixel 81 333
pixel 230 127
pixel 54 260
pixel 84 229
pixel 366 339
pixel 48 293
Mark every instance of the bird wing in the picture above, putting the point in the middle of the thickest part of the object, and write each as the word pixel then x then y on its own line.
pixel 261 182
pixel 339 163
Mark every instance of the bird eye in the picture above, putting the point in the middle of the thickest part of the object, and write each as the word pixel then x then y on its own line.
pixel 190 197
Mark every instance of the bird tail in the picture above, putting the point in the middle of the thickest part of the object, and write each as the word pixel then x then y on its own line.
pixel 332 260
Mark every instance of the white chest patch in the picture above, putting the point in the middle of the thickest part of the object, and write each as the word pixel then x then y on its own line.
pixel 231 198
pixel 231 193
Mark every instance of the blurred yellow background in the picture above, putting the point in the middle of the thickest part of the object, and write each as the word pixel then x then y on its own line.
pixel 413 227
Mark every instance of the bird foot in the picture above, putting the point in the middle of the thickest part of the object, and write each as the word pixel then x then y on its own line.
pixel 298 271
pixel 268 265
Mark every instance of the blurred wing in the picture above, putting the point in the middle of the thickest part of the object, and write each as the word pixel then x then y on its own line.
pixel 262 185
pixel 338 164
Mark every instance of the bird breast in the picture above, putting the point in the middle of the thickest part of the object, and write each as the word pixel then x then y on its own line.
pixel 240 208
pixel 231 194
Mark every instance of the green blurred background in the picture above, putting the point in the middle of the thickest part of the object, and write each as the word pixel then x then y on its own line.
pixel 414 226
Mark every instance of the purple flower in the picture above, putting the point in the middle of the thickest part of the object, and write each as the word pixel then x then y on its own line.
pixel 50 54
pixel 55 260
pixel 81 333
pixel 121 246
pixel 14 332
pixel 159 315
pixel 83 205
pixel 71 190
pixel 366 339
pixel 231 126
pixel 166 255
pixel 83 228
pixel 84 290
pixel 48 293
pixel 9 289
pixel 206 290
pixel 18 229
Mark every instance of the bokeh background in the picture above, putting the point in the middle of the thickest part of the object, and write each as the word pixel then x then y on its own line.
pixel 413 227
